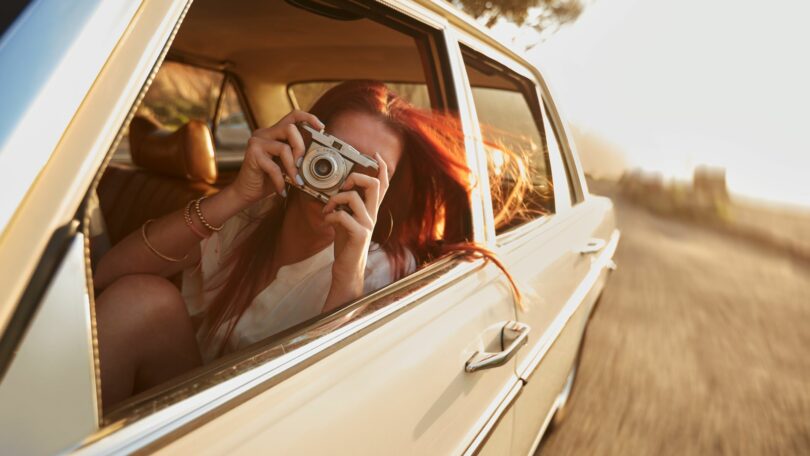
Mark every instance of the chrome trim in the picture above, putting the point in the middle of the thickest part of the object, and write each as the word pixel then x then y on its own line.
pixel 122 131
pixel 571 306
pixel 517 332
pixel 594 245
pixel 485 433
pixel 148 422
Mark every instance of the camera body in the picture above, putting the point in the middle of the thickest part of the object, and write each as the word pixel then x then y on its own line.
pixel 327 163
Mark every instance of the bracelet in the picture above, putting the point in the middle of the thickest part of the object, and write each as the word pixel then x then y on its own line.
pixel 189 223
pixel 153 249
pixel 200 215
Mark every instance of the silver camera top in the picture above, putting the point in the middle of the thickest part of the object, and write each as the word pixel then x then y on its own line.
pixel 341 146
pixel 327 163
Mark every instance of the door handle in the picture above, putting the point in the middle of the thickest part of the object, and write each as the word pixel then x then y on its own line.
pixel 594 245
pixel 517 332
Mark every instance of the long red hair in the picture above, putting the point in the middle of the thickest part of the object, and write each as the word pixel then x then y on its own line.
pixel 426 210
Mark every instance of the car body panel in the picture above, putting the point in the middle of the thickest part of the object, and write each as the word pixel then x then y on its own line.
pixel 420 400
pixel 55 373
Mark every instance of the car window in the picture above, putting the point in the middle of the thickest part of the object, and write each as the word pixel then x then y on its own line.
pixel 514 139
pixel 304 94
pixel 231 130
pixel 260 55
pixel 182 93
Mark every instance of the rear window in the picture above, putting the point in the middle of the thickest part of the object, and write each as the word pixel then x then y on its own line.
pixel 303 94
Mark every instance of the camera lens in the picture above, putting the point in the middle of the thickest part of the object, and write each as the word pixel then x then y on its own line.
pixel 322 167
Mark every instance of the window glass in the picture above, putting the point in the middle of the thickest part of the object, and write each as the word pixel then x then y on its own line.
pixel 514 140
pixel 178 94
pixel 181 93
pixel 304 94
pixel 232 130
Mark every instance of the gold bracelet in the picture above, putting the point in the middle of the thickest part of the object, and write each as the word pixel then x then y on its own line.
pixel 153 249
pixel 200 215
pixel 190 223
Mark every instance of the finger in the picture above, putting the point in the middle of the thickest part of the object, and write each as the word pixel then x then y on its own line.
pixel 272 170
pixel 284 152
pixel 382 175
pixel 296 142
pixel 277 131
pixel 275 149
pixel 371 190
pixel 351 199
pixel 298 115
pixel 349 224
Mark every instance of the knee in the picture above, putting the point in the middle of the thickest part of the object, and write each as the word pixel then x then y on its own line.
pixel 141 300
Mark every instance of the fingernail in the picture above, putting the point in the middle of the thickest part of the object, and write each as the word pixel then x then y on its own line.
pixel 284 193
pixel 299 162
pixel 298 180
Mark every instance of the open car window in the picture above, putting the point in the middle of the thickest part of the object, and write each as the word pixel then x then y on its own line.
pixel 515 139
pixel 132 190
pixel 304 94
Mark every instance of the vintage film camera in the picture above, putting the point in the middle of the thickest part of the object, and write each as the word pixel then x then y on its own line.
pixel 327 163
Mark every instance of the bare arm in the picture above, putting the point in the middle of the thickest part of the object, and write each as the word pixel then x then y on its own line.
pixel 258 177
pixel 170 236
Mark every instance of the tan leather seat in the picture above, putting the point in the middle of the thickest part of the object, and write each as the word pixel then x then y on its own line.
pixel 169 170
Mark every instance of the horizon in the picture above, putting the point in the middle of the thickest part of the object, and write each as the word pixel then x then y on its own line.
pixel 674 86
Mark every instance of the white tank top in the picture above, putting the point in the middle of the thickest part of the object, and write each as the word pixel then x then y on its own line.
pixel 298 292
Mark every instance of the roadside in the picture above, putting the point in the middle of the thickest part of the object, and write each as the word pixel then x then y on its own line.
pixel 699 346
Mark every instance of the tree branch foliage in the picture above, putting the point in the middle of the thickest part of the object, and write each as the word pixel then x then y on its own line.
pixel 544 14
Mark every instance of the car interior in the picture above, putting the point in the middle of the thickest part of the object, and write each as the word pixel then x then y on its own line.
pixel 240 65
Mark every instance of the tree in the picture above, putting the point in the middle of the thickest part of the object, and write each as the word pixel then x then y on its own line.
pixel 541 15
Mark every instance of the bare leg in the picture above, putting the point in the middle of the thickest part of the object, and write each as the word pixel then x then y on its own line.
pixel 145 336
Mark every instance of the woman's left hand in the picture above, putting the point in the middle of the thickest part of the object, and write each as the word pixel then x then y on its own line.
pixel 353 232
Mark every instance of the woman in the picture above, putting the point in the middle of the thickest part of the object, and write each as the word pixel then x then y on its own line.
pixel 260 256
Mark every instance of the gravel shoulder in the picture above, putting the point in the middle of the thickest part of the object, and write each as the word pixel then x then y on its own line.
pixel 700 345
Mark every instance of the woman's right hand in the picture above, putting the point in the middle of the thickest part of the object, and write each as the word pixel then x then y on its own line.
pixel 260 175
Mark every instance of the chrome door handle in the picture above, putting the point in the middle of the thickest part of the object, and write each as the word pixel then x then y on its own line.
pixel 518 332
pixel 594 245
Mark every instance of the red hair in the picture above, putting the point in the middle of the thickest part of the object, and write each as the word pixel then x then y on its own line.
pixel 426 211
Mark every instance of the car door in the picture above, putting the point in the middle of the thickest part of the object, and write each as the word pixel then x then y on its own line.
pixel 392 373
pixel 550 246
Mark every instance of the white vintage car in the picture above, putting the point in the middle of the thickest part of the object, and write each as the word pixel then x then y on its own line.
pixel 440 362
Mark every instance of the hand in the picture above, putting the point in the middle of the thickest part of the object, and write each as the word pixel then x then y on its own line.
pixel 353 232
pixel 260 175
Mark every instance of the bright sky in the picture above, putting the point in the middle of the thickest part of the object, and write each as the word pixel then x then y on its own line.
pixel 676 84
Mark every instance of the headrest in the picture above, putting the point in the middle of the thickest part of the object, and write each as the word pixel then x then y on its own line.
pixel 187 153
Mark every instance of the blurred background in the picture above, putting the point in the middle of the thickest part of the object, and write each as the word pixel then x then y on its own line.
pixel 694 117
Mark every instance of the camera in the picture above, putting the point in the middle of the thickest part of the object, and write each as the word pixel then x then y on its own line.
pixel 327 163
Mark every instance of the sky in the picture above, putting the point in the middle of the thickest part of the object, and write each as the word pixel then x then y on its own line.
pixel 676 84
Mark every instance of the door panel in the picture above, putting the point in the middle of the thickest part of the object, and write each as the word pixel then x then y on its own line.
pixel 48 394
pixel 399 389
pixel 564 284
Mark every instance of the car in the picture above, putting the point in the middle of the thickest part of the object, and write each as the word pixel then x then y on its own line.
pixel 443 361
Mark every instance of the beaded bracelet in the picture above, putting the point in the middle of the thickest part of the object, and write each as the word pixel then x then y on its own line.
pixel 200 215
pixel 153 249
pixel 190 224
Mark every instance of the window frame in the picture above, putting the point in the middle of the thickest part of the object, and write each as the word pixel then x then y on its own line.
pixel 573 168
pixel 228 77
pixel 537 105
pixel 171 411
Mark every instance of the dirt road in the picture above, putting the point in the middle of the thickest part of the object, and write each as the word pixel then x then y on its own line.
pixel 700 345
